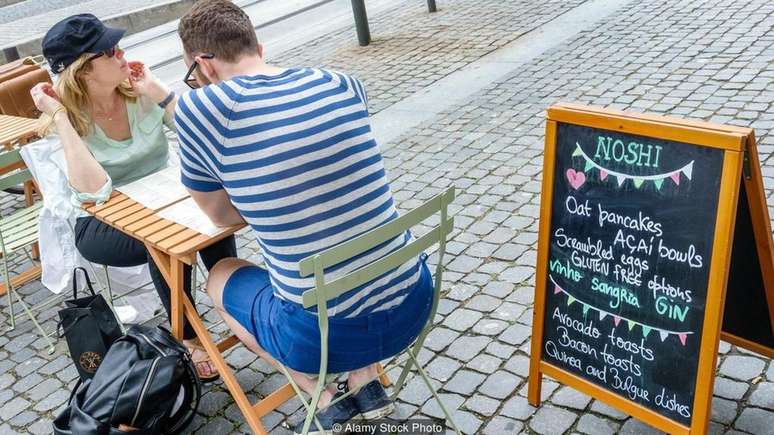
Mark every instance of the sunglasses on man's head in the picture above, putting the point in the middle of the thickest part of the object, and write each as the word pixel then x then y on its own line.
pixel 189 79
pixel 110 52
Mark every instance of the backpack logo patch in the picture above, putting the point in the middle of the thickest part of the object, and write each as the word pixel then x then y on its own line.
pixel 89 361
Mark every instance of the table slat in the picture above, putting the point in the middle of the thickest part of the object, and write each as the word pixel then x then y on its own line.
pixel 18 126
pixel 122 222
pixel 107 212
pixel 142 223
pixel 115 196
pixel 128 211
pixel 153 228
pixel 193 244
pixel 166 233
pixel 180 238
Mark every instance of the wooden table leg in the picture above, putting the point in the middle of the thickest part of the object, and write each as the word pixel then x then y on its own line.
pixel 177 287
pixel 172 271
pixel 384 379
pixel 253 420
pixel 181 307
pixel 274 400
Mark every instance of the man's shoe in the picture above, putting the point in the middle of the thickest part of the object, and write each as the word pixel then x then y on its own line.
pixel 372 401
pixel 338 413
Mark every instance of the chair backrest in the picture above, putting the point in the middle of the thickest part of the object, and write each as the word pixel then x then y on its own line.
pixel 325 291
pixel 13 170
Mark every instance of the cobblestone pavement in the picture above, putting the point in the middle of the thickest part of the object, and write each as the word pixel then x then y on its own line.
pixel 411 48
pixel 711 60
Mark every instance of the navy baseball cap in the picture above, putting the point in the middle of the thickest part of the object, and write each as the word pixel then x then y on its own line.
pixel 70 38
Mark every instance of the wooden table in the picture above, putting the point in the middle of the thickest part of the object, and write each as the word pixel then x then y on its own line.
pixel 173 246
pixel 15 130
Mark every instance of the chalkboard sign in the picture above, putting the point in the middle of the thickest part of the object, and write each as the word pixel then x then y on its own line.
pixel 631 244
pixel 633 239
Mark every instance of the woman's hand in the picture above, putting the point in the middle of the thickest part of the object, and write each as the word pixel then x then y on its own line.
pixel 145 83
pixel 45 98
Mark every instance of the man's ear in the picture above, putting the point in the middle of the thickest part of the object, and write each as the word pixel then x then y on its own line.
pixel 260 50
pixel 207 69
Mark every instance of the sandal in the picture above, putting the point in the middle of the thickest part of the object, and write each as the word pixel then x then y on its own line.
pixel 204 368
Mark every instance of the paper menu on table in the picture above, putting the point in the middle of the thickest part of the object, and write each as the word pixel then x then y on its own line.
pixel 157 189
pixel 189 214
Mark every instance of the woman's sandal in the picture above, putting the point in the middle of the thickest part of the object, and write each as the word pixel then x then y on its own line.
pixel 203 364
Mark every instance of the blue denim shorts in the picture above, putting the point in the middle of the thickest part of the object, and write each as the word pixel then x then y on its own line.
pixel 291 334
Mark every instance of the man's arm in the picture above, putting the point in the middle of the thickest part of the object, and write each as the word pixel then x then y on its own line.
pixel 217 207
pixel 197 176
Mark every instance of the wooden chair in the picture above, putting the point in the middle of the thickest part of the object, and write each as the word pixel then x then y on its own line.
pixel 325 291
pixel 19 234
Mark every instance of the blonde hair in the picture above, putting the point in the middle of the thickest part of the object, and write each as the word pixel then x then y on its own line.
pixel 73 94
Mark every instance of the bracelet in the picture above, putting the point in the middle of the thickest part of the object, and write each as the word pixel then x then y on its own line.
pixel 165 102
pixel 60 109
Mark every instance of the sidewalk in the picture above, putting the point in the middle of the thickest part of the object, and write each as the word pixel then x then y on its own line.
pixel 711 60
pixel 411 48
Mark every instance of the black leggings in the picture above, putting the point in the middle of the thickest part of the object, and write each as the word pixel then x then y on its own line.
pixel 100 243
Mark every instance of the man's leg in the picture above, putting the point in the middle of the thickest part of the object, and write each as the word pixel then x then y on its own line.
pixel 222 249
pixel 358 378
pixel 216 282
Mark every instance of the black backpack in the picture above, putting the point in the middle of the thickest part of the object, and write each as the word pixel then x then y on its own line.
pixel 147 381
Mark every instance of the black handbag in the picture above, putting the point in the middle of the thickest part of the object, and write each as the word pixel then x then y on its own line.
pixel 147 382
pixel 90 327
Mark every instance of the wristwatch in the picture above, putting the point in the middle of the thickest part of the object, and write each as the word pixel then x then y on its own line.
pixel 165 102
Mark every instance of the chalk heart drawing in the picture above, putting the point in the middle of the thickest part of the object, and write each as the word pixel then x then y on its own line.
pixel 576 178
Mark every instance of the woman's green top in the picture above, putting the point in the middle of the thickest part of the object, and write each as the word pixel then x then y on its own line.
pixel 125 161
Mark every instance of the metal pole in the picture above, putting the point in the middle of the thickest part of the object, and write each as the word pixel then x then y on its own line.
pixel 431 6
pixel 361 22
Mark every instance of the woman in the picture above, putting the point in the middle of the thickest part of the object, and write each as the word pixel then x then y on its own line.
pixel 108 114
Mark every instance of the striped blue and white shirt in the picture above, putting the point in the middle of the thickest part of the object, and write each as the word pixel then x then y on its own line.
pixel 295 154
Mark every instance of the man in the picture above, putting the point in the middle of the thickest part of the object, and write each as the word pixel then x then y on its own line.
pixel 290 152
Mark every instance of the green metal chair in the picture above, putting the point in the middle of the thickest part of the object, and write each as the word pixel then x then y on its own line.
pixel 325 291
pixel 18 233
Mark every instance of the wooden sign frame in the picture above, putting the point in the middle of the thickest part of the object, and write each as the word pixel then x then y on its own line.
pixel 733 142
pixel 764 244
